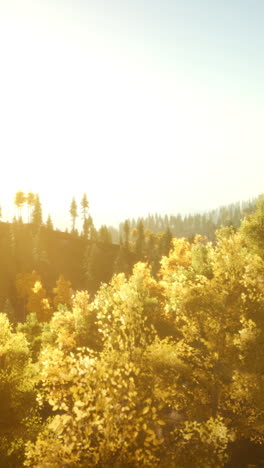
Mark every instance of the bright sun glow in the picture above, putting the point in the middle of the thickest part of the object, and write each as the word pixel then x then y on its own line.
pixel 78 115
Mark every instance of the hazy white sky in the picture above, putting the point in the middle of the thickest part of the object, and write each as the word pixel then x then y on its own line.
pixel 147 106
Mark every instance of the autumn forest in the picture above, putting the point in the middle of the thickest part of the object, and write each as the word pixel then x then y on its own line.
pixel 137 346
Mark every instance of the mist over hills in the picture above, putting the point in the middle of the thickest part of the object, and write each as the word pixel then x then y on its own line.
pixel 181 223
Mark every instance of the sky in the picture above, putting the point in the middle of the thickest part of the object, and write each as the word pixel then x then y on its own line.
pixel 146 105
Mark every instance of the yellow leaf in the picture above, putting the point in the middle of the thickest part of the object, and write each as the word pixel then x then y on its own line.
pixel 161 423
pixel 145 410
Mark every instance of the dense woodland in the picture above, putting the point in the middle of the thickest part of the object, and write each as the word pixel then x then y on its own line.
pixel 146 353
pixel 30 246
pixel 188 226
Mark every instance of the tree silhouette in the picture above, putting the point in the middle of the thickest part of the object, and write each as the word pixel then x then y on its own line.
pixel 37 212
pixel 30 203
pixel 73 213
pixel 126 229
pixel 85 206
pixel 140 241
pixel 104 235
pixel 49 224
pixel 86 223
pixel 19 202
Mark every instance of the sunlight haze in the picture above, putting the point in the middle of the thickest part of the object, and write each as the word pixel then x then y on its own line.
pixel 145 106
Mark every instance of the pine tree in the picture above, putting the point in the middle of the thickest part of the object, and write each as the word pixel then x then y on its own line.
pixel 73 213
pixel 104 235
pixel 126 229
pixel 85 206
pixel 49 224
pixel 93 233
pixel 121 264
pixel 165 243
pixel 37 213
pixel 30 203
pixel 140 241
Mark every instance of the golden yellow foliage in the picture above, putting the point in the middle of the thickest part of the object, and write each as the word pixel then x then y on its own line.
pixel 140 399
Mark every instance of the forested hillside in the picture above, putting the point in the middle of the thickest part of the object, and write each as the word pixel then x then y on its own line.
pixel 31 248
pixel 192 224
pixel 155 369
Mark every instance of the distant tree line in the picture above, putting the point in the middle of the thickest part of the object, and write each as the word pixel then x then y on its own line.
pixel 90 257
pixel 189 225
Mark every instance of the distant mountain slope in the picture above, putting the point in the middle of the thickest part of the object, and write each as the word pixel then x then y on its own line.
pixel 187 226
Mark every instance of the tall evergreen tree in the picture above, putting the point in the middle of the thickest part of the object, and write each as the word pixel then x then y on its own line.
pixel 85 230
pixel 140 241
pixel 49 224
pixel 93 233
pixel 73 213
pixel 121 263
pixel 84 206
pixel 104 235
pixel 165 242
pixel 37 212
pixel 126 229
pixel 30 198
